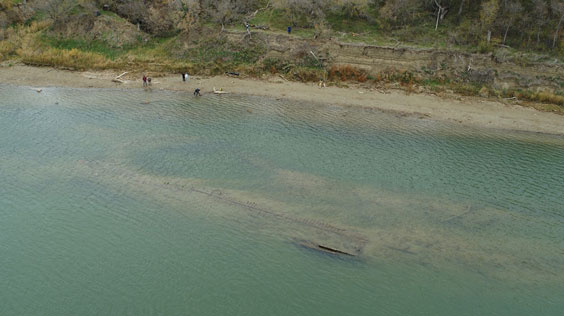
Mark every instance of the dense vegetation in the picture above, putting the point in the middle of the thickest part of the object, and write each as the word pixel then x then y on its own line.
pixel 174 35
pixel 524 24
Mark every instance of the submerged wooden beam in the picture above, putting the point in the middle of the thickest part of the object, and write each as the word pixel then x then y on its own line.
pixel 324 249
pixel 332 250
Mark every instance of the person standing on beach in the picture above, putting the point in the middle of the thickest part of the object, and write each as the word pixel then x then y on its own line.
pixel 247 27
pixel 144 81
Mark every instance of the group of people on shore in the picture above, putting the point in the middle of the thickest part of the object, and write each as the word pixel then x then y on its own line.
pixel 185 78
pixel 146 81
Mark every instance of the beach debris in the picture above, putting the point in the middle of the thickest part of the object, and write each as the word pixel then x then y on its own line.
pixel 220 91
pixel 121 75
pixel 118 80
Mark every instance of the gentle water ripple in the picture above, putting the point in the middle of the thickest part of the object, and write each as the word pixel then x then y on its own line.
pixel 134 202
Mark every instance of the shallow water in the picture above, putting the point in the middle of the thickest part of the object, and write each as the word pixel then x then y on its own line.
pixel 136 202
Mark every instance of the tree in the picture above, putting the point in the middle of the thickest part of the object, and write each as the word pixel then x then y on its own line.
pixel 134 10
pixel 511 12
pixel 351 8
pixel 461 7
pixel 313 9
pixel 187 13
pixel 400 12
pixel 441 12
pixel 224 12
pixel 59 10
pixel 539 15
pixel 558 8
pixel 488 14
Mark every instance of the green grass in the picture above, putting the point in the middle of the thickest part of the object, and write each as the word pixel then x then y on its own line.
pixel 277 20
pixel 432 82
pixel 9 3
pixel 262 18
pixel 219 50
pixel 340 23
pixel 95 46
pixel 156 47
pixel 37 16
pixel 112 14
pixel 273 18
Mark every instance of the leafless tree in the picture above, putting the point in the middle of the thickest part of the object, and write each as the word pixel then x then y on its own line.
pixel 351 8
pixel 539 16
pixel 310 8
pixel 461 7
pixel 400 12
pixel 226 10
pixel 134 10
pixel 187 13
pixel 3 20
pixel 558 8
pixel 441 12
pixel 511 12
pixel 59 10
pixel 220 11
pixel 488 14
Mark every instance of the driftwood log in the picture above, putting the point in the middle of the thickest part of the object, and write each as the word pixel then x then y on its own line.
pixel 118 80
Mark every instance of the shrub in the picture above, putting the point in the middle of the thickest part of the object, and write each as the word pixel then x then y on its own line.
pixel 403 77
pixel 276 65
pixel 307 74
pixel 547 97
pixel 6 49
pixel 347 73
pixel 73 58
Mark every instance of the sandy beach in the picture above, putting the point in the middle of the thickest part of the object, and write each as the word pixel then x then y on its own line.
pixel 462 110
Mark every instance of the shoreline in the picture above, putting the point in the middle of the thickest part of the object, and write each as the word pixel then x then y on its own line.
pixel 466 111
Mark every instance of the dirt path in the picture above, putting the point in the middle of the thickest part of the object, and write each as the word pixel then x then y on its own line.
pixel 468 111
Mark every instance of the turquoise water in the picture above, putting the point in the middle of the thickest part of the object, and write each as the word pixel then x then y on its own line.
pixel 157 203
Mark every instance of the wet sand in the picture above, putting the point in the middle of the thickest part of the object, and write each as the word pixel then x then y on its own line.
pixel 465 111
